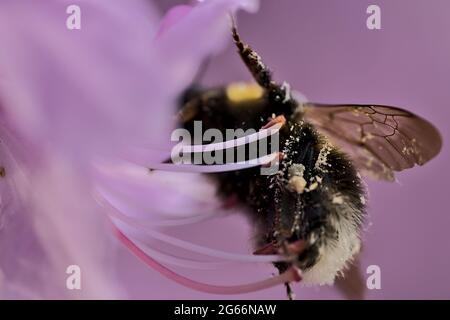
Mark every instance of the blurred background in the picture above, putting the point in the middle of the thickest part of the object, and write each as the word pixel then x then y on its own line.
pixel 324 50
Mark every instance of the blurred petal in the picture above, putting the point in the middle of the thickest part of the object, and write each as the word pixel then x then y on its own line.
pixel 88 91
pixel 70 98
pixel 201 33
pixel 172 17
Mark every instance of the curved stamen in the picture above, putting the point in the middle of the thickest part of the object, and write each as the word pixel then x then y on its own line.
pixel 177 261
pixel 215 168
pixel 159 218
pixel 260 135
pixel 201 249
pixel 291 275
pixel 116 213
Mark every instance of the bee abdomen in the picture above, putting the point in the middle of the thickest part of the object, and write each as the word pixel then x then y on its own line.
pixel 329 204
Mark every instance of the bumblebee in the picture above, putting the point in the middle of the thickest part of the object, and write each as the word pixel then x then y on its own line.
pixel 312 210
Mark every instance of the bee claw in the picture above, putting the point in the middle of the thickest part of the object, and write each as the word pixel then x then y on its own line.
pixel 290 293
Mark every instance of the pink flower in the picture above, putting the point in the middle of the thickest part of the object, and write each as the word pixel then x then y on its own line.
pixel 82 112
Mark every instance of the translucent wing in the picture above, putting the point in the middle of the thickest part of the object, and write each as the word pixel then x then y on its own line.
pixel 379 139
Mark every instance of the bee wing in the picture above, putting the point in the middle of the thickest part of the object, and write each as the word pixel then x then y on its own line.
pixel 379 139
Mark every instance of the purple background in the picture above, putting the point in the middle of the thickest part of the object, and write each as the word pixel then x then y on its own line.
pixel 323 48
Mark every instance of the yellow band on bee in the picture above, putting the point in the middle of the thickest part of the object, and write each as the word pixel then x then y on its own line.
pixel 242 92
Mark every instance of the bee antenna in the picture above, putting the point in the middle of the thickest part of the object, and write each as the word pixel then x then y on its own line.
pixel 252 60
pixel 237 39
pixel 258 69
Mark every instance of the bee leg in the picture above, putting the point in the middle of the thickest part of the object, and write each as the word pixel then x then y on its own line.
pixel 189 111
pixel 295 248
pixel 273 248
pixel 290 249
pixel 270 248
pixel 282 267
pixel 289 292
